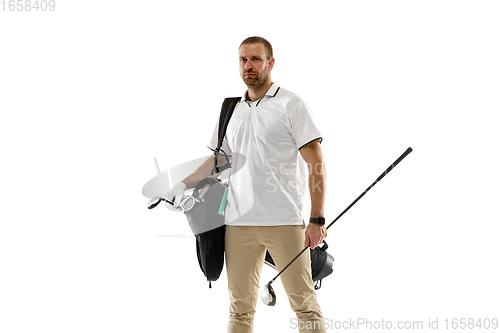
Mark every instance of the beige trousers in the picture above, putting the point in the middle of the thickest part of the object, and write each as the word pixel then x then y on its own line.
pixel 245 252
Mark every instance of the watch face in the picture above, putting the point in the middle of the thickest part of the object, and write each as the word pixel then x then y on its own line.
pixel 317 220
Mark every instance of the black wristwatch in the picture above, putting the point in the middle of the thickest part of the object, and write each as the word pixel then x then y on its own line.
pixel 317 220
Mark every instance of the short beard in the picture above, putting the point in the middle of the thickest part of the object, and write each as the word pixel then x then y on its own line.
pixel 256 83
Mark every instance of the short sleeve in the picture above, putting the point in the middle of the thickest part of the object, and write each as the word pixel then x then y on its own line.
pixel 215 138
pixel 303 129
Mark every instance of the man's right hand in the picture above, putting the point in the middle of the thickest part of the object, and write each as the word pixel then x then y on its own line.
pixel 175 195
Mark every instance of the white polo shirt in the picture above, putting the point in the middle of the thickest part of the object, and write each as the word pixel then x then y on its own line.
pixel 268 179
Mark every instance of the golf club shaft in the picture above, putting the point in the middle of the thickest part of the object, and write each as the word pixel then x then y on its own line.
pixel 409 150
pixel 163 199
pixel 291 262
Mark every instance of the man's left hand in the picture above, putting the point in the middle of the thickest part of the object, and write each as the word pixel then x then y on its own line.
pixel 314 235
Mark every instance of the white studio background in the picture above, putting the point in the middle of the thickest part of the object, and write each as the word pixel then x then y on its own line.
pixel 92 91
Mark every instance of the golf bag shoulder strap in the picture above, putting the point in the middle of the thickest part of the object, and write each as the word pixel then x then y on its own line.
pixel 226 112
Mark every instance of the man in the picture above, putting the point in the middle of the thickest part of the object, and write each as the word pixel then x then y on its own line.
pixel 272 128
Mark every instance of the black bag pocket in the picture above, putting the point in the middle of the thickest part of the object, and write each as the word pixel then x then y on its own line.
pixel 210 250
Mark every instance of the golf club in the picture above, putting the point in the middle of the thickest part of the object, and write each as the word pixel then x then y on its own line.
pixel 156 200
pixel 186 204
pixel 267 294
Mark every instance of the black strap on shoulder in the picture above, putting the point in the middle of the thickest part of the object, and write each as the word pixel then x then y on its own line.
pixel 226 112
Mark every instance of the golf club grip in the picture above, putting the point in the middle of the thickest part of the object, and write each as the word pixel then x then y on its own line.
pixel 392 166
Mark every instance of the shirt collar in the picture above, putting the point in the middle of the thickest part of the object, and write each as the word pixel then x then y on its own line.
pixel 271 92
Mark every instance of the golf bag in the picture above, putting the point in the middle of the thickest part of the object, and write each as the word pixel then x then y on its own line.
pixel 206 217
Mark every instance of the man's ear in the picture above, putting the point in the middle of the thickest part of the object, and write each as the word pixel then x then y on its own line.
pixel 271 64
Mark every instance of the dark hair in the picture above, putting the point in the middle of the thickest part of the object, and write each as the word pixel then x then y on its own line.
pixel 255 40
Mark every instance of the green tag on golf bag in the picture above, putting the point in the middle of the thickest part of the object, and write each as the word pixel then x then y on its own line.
pixel 222 208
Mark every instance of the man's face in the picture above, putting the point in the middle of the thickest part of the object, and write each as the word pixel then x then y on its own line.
pixel 254 66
